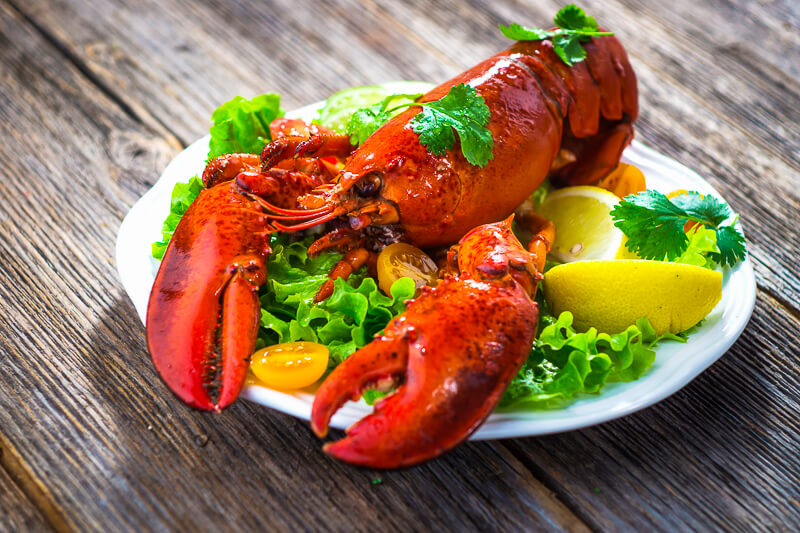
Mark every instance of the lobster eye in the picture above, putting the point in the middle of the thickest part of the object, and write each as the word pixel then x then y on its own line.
pixel 369 185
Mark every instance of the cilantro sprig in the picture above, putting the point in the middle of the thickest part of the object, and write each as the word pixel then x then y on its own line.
pixel 366 120
pixel 654 225
pixel 574 27
pixel 461 111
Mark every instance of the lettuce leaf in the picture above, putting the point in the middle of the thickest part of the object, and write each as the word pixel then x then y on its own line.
pixel 701 249
pixel 242 125
pixel 564 363
pixel 346 321
pixel 183 194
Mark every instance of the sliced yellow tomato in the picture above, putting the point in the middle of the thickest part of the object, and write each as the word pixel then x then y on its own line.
pixel 404 260
pixel 624 180
pixel 291 365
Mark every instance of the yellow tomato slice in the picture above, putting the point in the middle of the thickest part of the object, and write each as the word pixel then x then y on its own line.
pixel 291 365
pixel 404 260
pixel 624 180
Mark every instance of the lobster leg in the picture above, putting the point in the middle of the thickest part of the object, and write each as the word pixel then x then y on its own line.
pixel 452 354
pixel 352 261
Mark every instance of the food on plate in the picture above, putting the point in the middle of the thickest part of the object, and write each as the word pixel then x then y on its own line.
pixel 586 231
pixel 610 295
pixel 294 221
pixel 402 260
pixel 624 180
pixel 291 365
pixel 452 353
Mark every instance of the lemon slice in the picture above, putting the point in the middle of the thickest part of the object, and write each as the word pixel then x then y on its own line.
pixel 612 295
pixel 584 229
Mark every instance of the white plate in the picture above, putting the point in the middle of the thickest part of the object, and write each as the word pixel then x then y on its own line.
pixel 675 365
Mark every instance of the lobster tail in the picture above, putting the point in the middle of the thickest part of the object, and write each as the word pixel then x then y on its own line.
pixel 596 98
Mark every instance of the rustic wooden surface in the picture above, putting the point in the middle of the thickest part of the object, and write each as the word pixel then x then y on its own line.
pixel 97 96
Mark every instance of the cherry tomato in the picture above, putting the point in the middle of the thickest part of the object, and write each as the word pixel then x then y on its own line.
pixel 624 180
pixel 404 260
pixel 291 365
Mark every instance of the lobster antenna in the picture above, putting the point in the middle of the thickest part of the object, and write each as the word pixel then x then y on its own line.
pixel 295 213
pixel 308 223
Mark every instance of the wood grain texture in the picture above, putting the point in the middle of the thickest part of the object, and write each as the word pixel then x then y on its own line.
pixel 98 95
pixel 17 513
pixel 81 403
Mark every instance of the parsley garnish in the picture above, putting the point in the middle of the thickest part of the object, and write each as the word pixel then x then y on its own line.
pixel 654 225
pixel 366 121
pixel 574 27
pixel 462 109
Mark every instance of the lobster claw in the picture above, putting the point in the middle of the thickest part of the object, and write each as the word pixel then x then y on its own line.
pixel 203 313
pixel 452 354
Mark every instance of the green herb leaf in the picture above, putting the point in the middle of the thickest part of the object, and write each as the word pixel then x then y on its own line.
pixel 731 246
pixel 242 125
pixel 654 225
pixel 183 194
pixel 571 17
pixel 464 111
pixel 574 27
pixel 366 120
pixel 517 32
pixel 569 49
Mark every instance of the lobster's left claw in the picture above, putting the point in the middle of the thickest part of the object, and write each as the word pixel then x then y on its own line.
pixel 203 313
pixel 453 351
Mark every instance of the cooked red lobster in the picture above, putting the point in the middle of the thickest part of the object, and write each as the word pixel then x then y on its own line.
pixel 547 120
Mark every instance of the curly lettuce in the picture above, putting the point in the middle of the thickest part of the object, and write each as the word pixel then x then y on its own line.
pixel 564 363
pixel 183 194
pixel 344 322
pixel 242 125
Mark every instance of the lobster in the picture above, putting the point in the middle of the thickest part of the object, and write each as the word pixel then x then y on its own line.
pixel 547 120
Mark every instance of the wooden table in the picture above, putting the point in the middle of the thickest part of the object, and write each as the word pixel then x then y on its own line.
pixel 97 96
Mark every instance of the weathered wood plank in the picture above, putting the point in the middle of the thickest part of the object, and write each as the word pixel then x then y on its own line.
pixel 180 60
pixel 17 512
pixel 722 454
pixel 81 402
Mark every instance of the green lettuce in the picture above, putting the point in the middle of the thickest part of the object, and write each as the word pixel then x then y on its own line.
pixel 564 363
pixel 183 194
pixel 702 247
pixel 242 125
pixel 344 322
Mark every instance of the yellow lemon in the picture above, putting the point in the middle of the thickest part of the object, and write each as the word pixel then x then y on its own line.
pixel 612 295
pixel 584 229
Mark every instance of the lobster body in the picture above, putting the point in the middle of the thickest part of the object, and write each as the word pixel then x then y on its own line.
pixel 457 346
pixel 538 105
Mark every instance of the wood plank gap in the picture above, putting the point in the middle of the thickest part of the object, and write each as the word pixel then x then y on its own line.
pixel 151 120
pixel 33 489
pixel 550 484
pixel 787 305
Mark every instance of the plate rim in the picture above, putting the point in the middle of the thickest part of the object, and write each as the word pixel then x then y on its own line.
pixel 500 424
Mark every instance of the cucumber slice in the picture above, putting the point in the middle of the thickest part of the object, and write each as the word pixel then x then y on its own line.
pixel 338 108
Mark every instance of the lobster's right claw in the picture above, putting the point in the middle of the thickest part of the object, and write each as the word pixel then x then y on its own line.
pixel 453 353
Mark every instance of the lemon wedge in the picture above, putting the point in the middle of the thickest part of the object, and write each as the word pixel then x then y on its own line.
pixel 612 295
pixel 584 229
